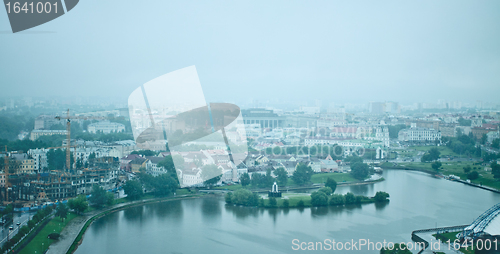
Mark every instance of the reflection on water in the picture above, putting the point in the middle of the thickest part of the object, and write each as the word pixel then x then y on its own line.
pixel 242 212
pixel 381 206
pixel 363 189
pixel 172 209
pixel 211 209
pixel 134 214
pixel 207 225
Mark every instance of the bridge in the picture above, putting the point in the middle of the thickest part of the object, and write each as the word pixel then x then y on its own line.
pixel 488 222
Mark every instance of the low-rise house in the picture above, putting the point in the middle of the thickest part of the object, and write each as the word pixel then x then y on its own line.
pixel 152 166
pixel 137 163
pixel 125 162
pixel 329 165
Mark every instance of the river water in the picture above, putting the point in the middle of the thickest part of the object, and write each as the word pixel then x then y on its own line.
pixel 207 225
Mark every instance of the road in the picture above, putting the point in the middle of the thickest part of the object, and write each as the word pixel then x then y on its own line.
pixel 23 218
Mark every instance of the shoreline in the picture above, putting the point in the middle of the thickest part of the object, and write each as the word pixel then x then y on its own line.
pixel 72 235
pixel 439 174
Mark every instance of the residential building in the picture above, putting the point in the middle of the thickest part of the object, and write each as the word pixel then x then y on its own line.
pixel 105 127
pixel 419 134
pixel 35 134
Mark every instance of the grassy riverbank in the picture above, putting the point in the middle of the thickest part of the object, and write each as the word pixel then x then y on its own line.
pixel 457 168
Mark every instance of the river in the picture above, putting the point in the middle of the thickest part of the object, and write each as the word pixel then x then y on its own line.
pixel 206 225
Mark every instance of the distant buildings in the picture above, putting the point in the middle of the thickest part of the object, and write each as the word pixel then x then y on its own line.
pixel 35 134
pixel 266 118
pixel 105 127
pixel 379 108
pixel 44 122
pixel 419 134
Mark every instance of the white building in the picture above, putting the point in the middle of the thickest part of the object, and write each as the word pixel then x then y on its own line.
pixel 105 127
pixel 152 166
pixel 35 134
pixel 419 134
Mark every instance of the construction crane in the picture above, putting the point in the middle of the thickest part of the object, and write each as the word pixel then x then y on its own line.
pixel 68 133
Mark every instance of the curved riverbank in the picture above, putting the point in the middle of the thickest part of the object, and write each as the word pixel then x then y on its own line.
pixel 418 200
pixel 73 234
pixel 430 172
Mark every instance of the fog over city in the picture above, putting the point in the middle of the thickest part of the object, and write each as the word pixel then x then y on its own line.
pixel 333 51
pixel 249 126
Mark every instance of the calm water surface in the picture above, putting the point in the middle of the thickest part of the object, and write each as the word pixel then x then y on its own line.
pixel 206 225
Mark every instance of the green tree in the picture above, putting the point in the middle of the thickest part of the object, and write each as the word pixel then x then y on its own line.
pixel 331 183
pixel 244 197
pixel 463 122
pixel 211 174
pixel 56 159
pixel 269 179
pixel 245 179
pixel 394 130
pixel 62 211
pixel 495 170
pixel 133 189
pixel 478 151
pixel 228 198
pixel 164 185
pixel 337 199
pixel 359 170
pixel 326 190
pixel 473 175
pixel 98 198
pixel 484 138
pixel 434 153
pixel 273 202
pixel 319 198
pixel 495 143
pixel 257 180
pixel 436 165
pixel 110 198
pixel 301 203
pixel 350 198
pixel 302 174
pixel 286 203
pixel 281 176
pixel 381 196
pixel 78 204
pixel 467 169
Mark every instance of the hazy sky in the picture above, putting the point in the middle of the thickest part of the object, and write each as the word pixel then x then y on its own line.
pixel 339 51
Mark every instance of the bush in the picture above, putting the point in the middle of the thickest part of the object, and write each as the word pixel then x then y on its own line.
pixel 467 169
pixel 286 203
pixel 327 190
pixel 319 198
pixel 243 197
pixel 473 175
pixel 349 198
pixel 381 196
pixel 301 203
pixel 337 199
pixel 273 202
pixel 261 202
pixel 54 236
pixel 331 183
pixel 228 197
